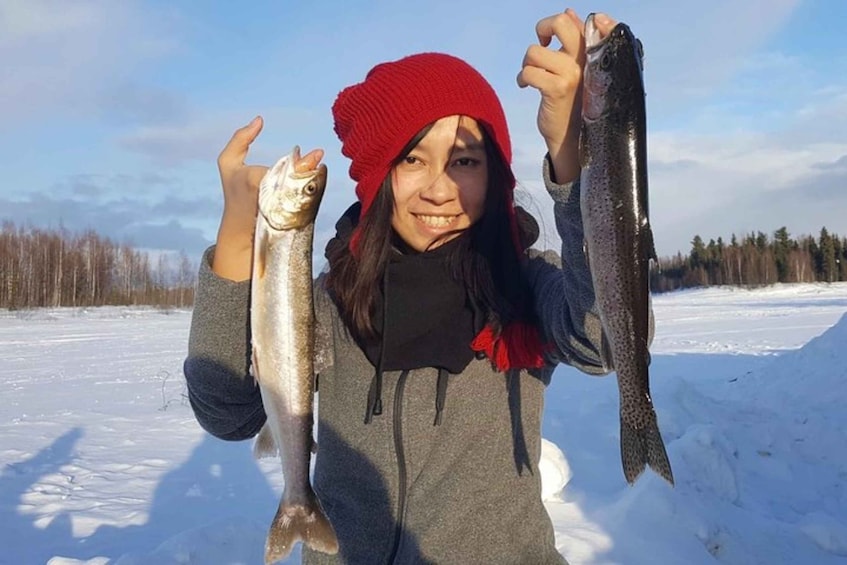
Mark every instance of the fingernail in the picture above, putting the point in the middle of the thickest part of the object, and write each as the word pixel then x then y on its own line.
pixel 602 19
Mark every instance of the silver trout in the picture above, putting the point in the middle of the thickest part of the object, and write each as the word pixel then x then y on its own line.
pixel 618 238
pixel 282 322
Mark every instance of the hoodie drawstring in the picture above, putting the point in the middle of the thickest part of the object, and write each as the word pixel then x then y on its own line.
pixel 375 396
pixel 374 407
pixel 440 394
pixel 375 391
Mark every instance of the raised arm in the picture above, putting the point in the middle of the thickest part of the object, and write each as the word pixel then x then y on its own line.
pixel 564 293
pixel 223 395
pixel 562 287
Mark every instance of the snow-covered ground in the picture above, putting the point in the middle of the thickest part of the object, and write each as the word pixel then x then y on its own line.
pixel 102 461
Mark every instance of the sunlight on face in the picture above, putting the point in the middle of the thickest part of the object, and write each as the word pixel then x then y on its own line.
pixel 439 188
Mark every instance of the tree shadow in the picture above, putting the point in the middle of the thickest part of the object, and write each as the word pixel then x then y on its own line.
pixel 26 542
pixel 213 509
pixel 218 491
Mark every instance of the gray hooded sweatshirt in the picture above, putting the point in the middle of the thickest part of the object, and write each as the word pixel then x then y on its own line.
pixel 400 489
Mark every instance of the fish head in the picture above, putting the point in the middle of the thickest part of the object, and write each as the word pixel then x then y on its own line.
pixel 614 63
pixel 291 191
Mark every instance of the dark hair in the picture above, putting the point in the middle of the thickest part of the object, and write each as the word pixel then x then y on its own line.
pixel 486 261
pixel 490 264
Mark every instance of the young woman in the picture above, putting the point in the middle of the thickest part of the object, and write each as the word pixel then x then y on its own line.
pixel 438 329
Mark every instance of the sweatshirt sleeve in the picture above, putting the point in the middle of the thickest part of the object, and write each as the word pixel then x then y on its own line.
pixel 225 398
pixel 324 349
pixel 562 287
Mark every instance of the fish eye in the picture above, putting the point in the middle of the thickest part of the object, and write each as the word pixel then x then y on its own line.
pixel 606 61
pixel 310 188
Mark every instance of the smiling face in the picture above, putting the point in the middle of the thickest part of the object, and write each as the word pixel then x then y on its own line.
pixel 440 186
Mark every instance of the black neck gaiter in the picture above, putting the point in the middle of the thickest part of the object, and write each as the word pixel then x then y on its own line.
pixel 423 315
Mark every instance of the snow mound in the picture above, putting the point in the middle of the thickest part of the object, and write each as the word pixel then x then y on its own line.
pixel 810 377
pixel 710 461
pixel 555 471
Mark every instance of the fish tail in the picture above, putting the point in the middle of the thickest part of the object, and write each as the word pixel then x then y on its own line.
pixel 293 523
pixel 642 447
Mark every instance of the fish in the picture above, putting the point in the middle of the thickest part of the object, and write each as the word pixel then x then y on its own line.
pixel 618 237
pixel 282 322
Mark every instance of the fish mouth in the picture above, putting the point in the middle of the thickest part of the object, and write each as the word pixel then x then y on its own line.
pixel 308 165
pixel 593 39
pixel 303 175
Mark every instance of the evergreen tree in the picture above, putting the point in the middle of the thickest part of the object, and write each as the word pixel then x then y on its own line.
pixel 839 254
pixel 713 264
pixel 781 248
pixel 698 252
pixel 698 262
pixel 828 266
pixel 761 241
pixel 843 259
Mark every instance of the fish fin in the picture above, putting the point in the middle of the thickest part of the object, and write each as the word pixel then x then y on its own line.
pixel 642 447
pixel 254 364
pixel 651 326
pixel 583 149
pixel 606 352
pixel 649 243
pixel 293 523
pixel 265 445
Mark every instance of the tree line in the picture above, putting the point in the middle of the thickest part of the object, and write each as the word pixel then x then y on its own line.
pixel 754 260
pixel 53 268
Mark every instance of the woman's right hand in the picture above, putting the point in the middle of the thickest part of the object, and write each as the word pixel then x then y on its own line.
pixel 240 183
pixel 557 74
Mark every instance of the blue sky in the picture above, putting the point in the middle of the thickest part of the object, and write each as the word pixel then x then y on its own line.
pixel 113 112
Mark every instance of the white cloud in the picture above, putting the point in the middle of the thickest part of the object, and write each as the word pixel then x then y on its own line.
pixel 204 135
pixel 740 139
pixel 692 51
pixel 166 222
pixel 736 181
pixel 86 56
pixel 743 182
pixel 61 55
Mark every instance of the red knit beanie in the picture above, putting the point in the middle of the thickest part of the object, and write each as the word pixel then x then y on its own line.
pixel 376 118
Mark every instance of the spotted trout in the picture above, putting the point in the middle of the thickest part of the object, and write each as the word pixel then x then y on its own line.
pixel 618 238
pixel 282 322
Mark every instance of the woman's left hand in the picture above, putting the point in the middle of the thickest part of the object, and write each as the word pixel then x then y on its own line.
pixel 557 74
